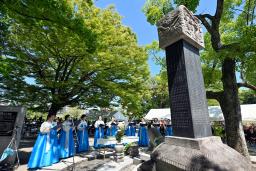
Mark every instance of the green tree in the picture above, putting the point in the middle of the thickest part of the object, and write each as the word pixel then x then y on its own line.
pixel 229 49
pixel 247 97
pixel 158 84
pixel 88 58
pixel 73 111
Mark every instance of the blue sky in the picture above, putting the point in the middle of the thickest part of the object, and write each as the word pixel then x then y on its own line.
pixel 133 17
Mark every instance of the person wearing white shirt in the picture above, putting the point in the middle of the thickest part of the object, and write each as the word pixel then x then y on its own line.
pixel 82 133
pixel 143 134
pixel 42 154
pixel 66 138
pixel 99 131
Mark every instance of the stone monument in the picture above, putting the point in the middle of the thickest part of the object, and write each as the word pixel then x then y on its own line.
pixel 11 122
pixel 192 147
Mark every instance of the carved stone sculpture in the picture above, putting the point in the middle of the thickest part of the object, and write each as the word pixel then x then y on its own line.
pixel 180 24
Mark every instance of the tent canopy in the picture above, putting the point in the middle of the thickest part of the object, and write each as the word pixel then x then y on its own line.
pixel 248 113
pixel 159 114
pixel 120 116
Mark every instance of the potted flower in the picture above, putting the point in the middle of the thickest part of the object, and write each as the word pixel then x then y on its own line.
pixel 119 146
pixel 131 149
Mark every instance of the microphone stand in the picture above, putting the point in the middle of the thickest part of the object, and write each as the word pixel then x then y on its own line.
pixel 75 145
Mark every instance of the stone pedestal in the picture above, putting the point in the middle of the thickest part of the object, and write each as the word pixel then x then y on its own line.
pixel 201 154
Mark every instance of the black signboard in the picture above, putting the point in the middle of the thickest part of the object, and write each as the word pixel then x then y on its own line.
pixel 7 122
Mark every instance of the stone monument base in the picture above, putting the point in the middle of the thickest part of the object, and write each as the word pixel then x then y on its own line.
pixel 201 154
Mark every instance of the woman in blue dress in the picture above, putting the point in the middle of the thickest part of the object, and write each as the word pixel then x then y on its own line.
pixel 54 141
pixel 113 127
pixel 131 129
pixel 156 124
pixel 99 131
pixel 168 128
pixel 106 128
pixel 66 141
pixel 143 134
pixel 42 154
pixel 83 141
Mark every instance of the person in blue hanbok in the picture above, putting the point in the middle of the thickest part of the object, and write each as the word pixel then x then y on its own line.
pixel 66 141
pixel 99 131
pixel 156 124
pixel 42 154
pixel 168 128
pixel 106 128
pixel 143 134
pixel 131 129
pixel 82 133
pixel 113 127
pixel 54 141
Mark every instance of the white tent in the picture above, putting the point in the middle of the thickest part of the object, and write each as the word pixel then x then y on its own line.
pixel 120 117
pixel 158 113
pixel 248 112
pixel 215 113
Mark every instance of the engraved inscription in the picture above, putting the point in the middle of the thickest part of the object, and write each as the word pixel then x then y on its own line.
pixel 7 122
pixel 187 94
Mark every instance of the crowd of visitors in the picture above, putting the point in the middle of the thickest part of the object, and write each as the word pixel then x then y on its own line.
pixel 250 134
pixel 218 129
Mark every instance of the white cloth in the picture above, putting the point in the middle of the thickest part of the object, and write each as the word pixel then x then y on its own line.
pixel 45 129
pixel 97 123
pixel 82 125
pixel 66 125
pixel 54 124
pixel 109 123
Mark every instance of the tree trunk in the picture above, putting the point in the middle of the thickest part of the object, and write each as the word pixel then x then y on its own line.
pixel 54 109
pixel 230 106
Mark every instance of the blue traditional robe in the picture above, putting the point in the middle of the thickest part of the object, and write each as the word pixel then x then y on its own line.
pixel 143 135
pixel 82 133
pixel 157 126
pixel 66 140
pixel 42 154
pixel 54 142
pixel 113 129
pixel 107 133
pixel 99 132
pixel 131 129
pixel 169 130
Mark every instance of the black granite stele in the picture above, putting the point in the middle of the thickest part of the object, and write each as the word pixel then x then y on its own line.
pixel 189 112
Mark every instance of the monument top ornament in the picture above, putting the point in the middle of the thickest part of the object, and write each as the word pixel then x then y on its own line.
pixel 180 24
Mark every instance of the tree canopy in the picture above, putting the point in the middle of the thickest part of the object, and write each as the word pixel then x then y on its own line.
pixel 70 54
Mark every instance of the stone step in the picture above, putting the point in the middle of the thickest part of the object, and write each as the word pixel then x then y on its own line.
pixel 137 161
pixel 253 159
pixel 144 156
pixel 65 164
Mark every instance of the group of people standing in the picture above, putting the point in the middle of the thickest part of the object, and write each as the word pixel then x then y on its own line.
pixel 103 129
pixel 164 127
pixel 57 141
pixel 49 148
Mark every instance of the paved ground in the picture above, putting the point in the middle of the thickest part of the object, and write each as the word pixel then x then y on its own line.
pixel 107 165
pixel 82 163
